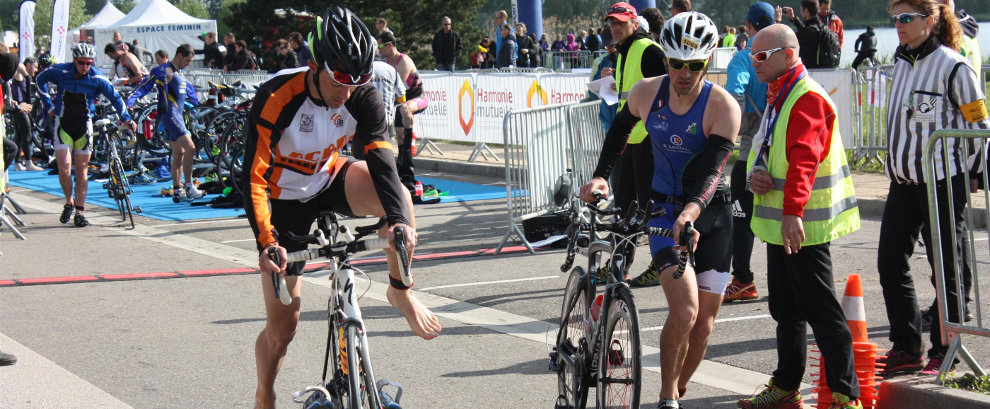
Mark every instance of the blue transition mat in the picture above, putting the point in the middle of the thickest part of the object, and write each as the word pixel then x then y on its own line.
pixel 153 205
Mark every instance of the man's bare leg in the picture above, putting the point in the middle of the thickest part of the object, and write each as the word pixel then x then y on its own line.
pixel 274 339
pixel 363 199
pixel 682 297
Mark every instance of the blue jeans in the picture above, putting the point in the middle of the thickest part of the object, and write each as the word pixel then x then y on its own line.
pixel 446 66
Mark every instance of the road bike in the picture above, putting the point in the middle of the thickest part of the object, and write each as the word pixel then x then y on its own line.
pixel 598 342
pixel 107 142
pixel 351 382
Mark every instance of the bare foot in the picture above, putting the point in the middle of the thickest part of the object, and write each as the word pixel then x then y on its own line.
pixel 421 320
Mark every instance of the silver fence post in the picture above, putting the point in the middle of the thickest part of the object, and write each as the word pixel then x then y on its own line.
pixel 950 331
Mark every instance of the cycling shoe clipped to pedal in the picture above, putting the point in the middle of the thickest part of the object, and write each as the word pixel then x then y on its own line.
pixel 388 401
pixel 318 399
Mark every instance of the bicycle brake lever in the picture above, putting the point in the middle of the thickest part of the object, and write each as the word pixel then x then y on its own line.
pixel 687 255
pixel 278 280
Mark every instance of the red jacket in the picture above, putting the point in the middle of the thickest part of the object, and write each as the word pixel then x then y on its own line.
pixel 809 136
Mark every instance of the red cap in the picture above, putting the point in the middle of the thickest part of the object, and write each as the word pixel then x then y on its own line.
pixel 622 11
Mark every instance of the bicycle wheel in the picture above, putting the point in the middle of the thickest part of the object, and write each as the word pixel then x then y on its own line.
pixel 361 388
pixel 620 362
pixel 572 376
pixel 115 185
pixel 123 190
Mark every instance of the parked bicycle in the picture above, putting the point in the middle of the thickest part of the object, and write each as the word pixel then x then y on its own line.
pixel 348 379
pixel 598 342
pixel 109 138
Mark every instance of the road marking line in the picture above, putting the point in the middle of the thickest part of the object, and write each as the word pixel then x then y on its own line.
pixel 488 282
pixel 37 382
pixel 213 221
pixel 714 374
pixel 237 241
pixel 717 321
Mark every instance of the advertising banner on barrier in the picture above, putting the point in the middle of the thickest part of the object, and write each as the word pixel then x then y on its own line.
pixel 839 85
pixel 450 114
pixel 471 107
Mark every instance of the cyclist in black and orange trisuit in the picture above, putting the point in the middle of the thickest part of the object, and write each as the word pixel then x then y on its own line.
pixel 300 121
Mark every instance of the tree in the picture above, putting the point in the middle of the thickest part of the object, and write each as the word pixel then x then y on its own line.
pixel 125 6
pixel 414 26
pixel 193 8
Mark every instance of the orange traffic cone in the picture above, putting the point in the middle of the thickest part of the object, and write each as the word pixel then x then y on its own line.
pixel 852 306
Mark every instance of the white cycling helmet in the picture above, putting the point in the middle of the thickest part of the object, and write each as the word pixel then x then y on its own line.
pixel 689 36
pixel 83 50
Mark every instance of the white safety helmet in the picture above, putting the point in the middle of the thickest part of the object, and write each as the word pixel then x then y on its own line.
pixel 83 50
pixel 689 36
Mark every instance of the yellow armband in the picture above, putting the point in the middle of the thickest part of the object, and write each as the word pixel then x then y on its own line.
pixel 975 111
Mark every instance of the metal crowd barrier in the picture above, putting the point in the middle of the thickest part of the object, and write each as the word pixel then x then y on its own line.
pixel 541 144
pixel 952 331
pixel 535 156
pixel 567 60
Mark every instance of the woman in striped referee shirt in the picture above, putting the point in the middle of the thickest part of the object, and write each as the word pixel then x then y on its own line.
pixel 934 88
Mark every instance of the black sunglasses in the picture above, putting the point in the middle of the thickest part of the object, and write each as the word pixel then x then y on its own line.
pixel 694 66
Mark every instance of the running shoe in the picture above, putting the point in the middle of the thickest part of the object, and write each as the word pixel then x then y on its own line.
pixel 601 276
pixel 193 193
pixel 66 213
pixel 900 362
pixel 737 291
pixel 773 398
pixel 179 195
pixel 840 401
pixel 80 220
pixel 934 363
pixel 669 404
pixel 649 278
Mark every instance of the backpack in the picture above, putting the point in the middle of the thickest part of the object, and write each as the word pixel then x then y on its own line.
pixel 829 49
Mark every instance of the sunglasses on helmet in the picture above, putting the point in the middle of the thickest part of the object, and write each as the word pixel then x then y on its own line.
pixel 905 18
pixel 764 55
pixel 694 66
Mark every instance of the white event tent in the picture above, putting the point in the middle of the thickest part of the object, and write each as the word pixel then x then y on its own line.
pixel 158 25
pixel 105 17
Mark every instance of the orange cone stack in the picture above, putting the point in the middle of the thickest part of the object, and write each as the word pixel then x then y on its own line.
pixel 864 352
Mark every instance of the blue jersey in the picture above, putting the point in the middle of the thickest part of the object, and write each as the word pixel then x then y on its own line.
pixel 80 93
pixel 742 81
pixel 676 139
pixel 172 95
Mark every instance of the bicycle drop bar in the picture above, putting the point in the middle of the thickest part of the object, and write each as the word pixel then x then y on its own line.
pixel 399 237
pixel 338 249
pixel 278 280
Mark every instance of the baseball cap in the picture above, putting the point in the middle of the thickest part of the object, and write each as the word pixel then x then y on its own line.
pixel 760 14
pixel 622 11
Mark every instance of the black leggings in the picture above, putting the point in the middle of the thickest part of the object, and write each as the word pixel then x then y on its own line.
pixel 9 153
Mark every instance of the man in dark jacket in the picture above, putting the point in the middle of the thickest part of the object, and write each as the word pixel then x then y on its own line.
pixel 866 48
pixel 212 56
pixel 526 55
pixel 807 31
pixel 507 49
pixel 446 46
pixel 284 57
pixel 303 53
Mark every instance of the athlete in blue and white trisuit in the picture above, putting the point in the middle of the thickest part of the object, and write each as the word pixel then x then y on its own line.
pixel 79 84
pixel 692 124
pixel 173 92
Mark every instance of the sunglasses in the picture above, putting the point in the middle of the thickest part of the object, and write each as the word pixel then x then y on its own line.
pixel 694 66
pixel 619 10
pixel 382 45
pixel 905 18
pixel 764 55
pixel 348 80
pixel 84 63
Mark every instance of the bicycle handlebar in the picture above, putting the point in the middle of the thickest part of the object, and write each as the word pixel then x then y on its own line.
pixel 278 280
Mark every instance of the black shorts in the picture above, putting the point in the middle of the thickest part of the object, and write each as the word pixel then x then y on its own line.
pixel 297 217
pixel 714 250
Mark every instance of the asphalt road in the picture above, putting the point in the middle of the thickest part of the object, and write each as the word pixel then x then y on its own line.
pixel 188 342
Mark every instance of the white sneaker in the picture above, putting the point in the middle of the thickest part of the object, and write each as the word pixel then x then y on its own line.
pixel 193 193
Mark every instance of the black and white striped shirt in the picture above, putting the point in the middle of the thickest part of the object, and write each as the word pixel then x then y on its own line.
pixel 926 95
